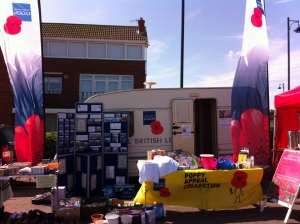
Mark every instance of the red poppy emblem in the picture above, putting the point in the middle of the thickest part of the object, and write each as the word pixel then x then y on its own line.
pixel 239 179
pixel 156 128
pixel 256 17
pixel 31 137
pixel 13 25
pixel 164 192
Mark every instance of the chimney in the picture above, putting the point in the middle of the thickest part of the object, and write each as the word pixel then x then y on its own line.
pixel 141 26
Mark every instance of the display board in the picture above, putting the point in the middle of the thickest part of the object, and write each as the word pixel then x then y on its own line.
pixel 115 163
pixel 66 173
pixel 65 133
pixel 98 144
pixel 285 184
pixel 88 128
pixel 88 175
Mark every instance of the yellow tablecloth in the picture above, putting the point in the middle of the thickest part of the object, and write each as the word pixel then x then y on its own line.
pixel 205 189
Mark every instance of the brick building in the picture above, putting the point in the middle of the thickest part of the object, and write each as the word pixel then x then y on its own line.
pixel 81 60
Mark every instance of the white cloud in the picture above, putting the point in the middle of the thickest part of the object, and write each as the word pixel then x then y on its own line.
pixel 282 1
pixel 231 54
pixel 193 13
pixel 155 50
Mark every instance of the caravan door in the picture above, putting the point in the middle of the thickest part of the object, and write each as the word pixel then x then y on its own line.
pixel 183 125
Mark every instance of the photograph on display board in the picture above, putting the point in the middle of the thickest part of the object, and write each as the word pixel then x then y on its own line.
pixel 115 149
pixel 96 108
pixel 72 135
pixel 97 121
pixel 115 126
pixel 65 138
pixel 95 142
pixel 115 140
pixel 123 138
pixel 122 161
pixel 91 121
pixel 91 129
pixel 82 108
pixel 80 125
pixel 124 117
pixel 96 149
pixel 107 149
pixel 109 117
pixel 123 149
pixel 110 172
pixel 81 146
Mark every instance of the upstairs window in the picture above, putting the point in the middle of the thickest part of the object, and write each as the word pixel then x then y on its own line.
pixel 58 49
pixel 53 85
pixel 134 52
pixel 92 50
pixel 95 84
pixel 116 51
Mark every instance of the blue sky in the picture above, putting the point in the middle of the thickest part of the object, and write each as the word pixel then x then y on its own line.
pixel 213 35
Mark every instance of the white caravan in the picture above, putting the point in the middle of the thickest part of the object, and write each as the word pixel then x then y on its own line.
pixel 196 120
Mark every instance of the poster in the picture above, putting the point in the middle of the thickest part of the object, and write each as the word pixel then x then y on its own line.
pixel 186 131
pixel 225 118
pixel 285 183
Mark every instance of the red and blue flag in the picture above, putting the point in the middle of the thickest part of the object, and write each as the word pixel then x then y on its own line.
pixel 20 41
pixel 250 95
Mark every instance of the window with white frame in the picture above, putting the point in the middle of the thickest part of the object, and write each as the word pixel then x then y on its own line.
pixel 116 51
pixel 134 52
pixel 68 49
pixel 53 85
pixel 77 50
pixel 58 49
pixel 96 50
pixel 95 84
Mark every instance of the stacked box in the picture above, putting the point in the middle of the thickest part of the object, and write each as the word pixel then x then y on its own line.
pixel 69 208
pixel 124 191
pixel 94 205
pixel 58 193
pixel 37 170
pixel 11 171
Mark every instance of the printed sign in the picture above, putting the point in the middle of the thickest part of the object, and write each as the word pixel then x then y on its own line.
pixel 148 117
pixel 285 184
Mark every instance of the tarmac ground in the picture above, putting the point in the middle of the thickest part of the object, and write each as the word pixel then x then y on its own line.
pixel 24 190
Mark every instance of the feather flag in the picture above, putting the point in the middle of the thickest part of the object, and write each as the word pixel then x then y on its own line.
pixel 250 96
pixel 20 41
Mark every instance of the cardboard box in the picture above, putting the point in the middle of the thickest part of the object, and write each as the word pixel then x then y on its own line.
pixel 21 165
pixel 154 152
pixel 68 212
pixel 37 170
pixel 69 208
pixel 11 171
pixel 58 193
pixel 55 166
pixel 116 201
pixel 94 205
pixel 124 191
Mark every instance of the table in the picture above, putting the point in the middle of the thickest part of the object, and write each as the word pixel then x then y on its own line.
pixel 205 189
pixel 5 188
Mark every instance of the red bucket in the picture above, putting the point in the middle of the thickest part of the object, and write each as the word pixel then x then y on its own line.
pixel 208 161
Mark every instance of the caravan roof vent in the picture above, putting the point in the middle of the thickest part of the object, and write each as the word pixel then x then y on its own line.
pixel 149 84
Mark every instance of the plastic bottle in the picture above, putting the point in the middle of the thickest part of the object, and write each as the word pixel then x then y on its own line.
pixel 252 161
